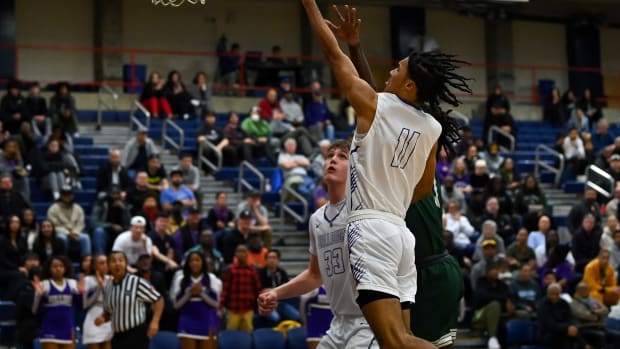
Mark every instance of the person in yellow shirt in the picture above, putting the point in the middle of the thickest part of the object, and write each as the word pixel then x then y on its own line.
pixel 600 277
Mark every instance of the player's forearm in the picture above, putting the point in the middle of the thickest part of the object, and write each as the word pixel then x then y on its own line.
pixel 361 64
pixel 158 309
pixel 303 283
pixel 324 35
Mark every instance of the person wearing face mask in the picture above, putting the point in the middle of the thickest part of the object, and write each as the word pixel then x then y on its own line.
pixel 260 131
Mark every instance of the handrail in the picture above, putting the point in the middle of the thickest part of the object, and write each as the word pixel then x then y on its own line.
pixel 605 178
pixel 204 160
pixel 134 120
pixel 458 115
pixel 167 139
pixel 540 163
pixel 286 209
pixel 243 183
pixel 105 90
pixel 511 138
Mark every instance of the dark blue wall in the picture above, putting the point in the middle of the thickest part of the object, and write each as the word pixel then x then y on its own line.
pixel 7 37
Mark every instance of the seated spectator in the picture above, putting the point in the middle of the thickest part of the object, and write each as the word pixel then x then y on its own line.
pixel 489 232
pixel 220 216
pixel 240 291
pixel 137 193
pixel 458 225
pixel 163 241
pixel 579 122
pixel 493 159
pixel 239 141
pixel 470 158
pixel 135 243
pixel 574 154
pixel 449 193
pixel 36 107
pixel 590 107
pixel 505 224
pixel 257 253
pixel 607 239
pixel 156 175
pixel 63 110
pixel 177 218
pixel 553 110
pixel 27 142
pixel 188 234
pixel 489 255
pixel 461 177
pixel 292 109
pixel 544 251
pixel 236 237
pixel 601 278
pixel 30 226
pixel 67 217
pixel 602 137
pixel 153 97
pixel 260 131
pixel 268 104
pixel 496 188
pixel 53 169
pixel 318 115
pixel 12 247
pixel 614 167
pixel 200 94
pixel 109 218
pixel 47 243
pixel 614 250
pixel 12 108
pixel 209 132
pixel 510 175
pixel 479 180
pixel 556 326
pixel 12 203
pixel 537 238
pixel 113 173
pixel 191 176
pixel 138 150
pixel 272 276
pixel 498 113
pixel 260 216
pixel 569 103
pixel 492 302
pixel 318 161
pixel 443 165
pixel 612 206
pixel 589 314
pixel 530 200
pixel 519 253
pixel 558 264
pixel 282 129
pixel 525 293
pixel 294 168
pixel 586 243
pixel 177 95
pixel 206 246
pixel 177 192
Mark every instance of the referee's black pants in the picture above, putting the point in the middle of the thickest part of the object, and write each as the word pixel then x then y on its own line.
pixel 135 338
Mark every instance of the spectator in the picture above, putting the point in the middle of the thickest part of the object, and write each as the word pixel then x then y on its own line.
pixel 479 180
pixel 260 131
pixel 63 110
pixel 553 111
pixel 589 314
pixel 237 236
pixel 110 217
pixel 134 243
pixel 241 289
pixel 458 224
pixel 27 142
pixel 219 216
pixel 12 203
pixel 206 246
pixel 319 160
pixel 489 255
pixel 470 158
pixel 48 244
pixel 569 103
pixel 525 293
pixel 268 104
pixel 36 107
pixel 13 108
pixel 601 278
pixel 138 150
pixel 537 238
pixel 30 227
pixel 12 247
pixel 67 217
pixel 556 326
pixel 586 243
pixel 281 129
pixel 187 236
pixel 496 188
pixel 257 253
pixel 239 141
pixel 509 174
pixel 504 223
pixel 602 137
pixel 177 219
pixel 519 253
pixel 272 276
pixel 177 95
pixel 492 302
pixel 177 192
pixel 591 108
pixel 153 97
pixel 113 173
pixel 586 206
pixel 558 264
pixel 200 94
pixel 579 122
pixel 156 174
pixel 318 115
pixel 229 68
pixel 614 251
pixel 164 242
pixel 209 132
pixel 493 159
pixel 607 239
pixel 260 216
pixel 442 169
pixel 191 176
pixel 544 251
pixel 294 168
pixel 137 193
pixel 197 303
pixel 530 201
pixel 498 113
pixel 614 167
pixel 53 169
pixel 449 193
pixel 291 108
pixel 574 153
pixel 489 232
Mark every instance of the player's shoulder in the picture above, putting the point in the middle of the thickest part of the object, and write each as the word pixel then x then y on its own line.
pixel 316 218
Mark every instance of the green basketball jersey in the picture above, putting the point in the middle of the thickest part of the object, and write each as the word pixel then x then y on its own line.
pixel 424 220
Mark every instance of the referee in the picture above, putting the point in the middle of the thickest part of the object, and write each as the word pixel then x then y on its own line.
pixel 124 304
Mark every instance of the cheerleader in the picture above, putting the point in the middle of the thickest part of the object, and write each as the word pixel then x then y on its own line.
pixel 96 337
pixel 197 304
pixel 53 302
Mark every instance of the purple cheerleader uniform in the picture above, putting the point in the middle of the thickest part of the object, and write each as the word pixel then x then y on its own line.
pixel 197 319
pixel 56 309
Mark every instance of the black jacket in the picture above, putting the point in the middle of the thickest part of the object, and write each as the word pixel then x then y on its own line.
pixel 488 291
pixel 11 203
pixel 27 328
pixel 58 249
pixel 36 105
pixel 585 247
pixel 232 239
pixel 554 319
pixel 104 178
pixel 10 255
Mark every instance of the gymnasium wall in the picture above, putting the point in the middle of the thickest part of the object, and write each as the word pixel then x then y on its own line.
pixel 610 63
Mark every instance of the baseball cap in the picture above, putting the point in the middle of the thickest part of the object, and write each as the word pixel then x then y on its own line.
pixel 245 214
pixel 176 172
pixel 489 242
pixel 614 157
pixel 194 209
pixel 138 221
pixel 66 189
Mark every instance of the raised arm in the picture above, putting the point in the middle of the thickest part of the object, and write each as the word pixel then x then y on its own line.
pixel 362 96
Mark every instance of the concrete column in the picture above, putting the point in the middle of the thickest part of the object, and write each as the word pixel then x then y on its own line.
pixel 108 22
pixel 499 46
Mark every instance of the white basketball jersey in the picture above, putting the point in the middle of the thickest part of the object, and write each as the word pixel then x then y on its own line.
pixel 327 244
pixel 387 163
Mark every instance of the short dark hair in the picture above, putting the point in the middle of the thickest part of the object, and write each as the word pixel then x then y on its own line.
pixel 340 144
pixel 115 252
pixel 186 154
pixel 47 274
pixel 273 250
pixel 217 195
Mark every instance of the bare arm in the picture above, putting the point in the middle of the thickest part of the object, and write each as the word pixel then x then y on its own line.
pixel 362 97
pixel 425 185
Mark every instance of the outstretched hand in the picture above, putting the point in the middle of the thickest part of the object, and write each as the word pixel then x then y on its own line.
pixel 347 29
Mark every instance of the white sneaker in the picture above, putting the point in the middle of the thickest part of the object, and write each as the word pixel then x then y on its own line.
pixel 493 343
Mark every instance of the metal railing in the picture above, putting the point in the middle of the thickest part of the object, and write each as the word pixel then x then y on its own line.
pixel 244 183
pixel 458 115
pixel 285 208
pixel 133 119
pixel 599 180
pixel 491 139
pixel 540 149
pixel 169 140
pixel 214 167
pixel 103 104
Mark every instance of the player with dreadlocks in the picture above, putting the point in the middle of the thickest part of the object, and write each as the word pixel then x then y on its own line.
pixel 439 275
pixel 397 131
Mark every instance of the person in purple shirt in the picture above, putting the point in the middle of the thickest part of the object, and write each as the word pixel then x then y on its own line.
pixel 177 192
pixel 187 236
pixel 220 216
pixel 558 265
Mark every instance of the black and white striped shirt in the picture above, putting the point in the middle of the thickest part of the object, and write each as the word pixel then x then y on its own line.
pixel 125 302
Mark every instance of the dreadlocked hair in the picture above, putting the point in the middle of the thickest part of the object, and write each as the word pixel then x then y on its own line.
pixel 435 77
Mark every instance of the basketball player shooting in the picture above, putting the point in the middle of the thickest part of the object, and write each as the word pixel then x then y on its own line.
pixel 393 137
